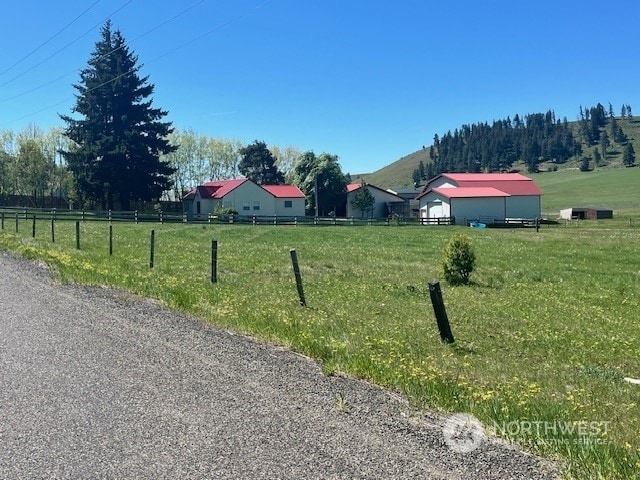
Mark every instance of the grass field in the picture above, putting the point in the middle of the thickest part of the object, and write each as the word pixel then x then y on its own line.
pixel 616 188
pixel 546 332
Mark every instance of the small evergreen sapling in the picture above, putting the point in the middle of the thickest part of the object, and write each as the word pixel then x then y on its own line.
pixel 459 260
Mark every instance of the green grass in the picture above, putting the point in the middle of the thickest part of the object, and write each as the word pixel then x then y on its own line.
pixel 547 330
pixel 616 188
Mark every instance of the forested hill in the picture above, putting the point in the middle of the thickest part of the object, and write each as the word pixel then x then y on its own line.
pixel 534 142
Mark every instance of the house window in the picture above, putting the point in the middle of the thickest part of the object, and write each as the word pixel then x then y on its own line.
pixel 198 208
pixel 246 206
pixel 256 205
pixel 288 204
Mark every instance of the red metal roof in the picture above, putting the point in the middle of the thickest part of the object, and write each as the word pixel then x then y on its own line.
pixel 484 177
pixel 284 191
pixel 511 183
pixel 219 188
pixel 470 192
pixel 352 187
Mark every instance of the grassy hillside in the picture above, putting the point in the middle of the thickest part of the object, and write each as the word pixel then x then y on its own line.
pixel 616 188
pixel 399 173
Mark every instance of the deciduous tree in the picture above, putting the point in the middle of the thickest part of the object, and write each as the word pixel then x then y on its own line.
pixel 323 172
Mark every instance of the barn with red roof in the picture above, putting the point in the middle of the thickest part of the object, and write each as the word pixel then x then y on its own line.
pixel 244 197
pixel 487 197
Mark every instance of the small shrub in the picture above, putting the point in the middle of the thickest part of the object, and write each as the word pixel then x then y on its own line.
pixel 459 260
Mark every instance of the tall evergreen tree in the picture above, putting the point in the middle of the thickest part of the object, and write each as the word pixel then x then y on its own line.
pixel 259 165
pixel 629 156
pixel 604 144
pixel 116 146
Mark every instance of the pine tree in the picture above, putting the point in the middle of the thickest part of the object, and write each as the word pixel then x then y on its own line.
pixel 120 138
pixel 421 171
pixel 363 200
pixel 629 156
pixel 604 144
pixel 259 165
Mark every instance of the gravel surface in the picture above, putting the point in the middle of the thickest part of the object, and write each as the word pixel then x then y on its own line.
pixel 98 383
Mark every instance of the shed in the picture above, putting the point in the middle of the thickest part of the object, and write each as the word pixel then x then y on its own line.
pixel 586 213
pixel 385 204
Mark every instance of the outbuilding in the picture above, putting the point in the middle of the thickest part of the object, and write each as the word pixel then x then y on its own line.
pixel 585 213
pixel 487 197
pixel 385 202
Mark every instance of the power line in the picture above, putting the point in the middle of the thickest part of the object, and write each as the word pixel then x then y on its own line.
pixel 49 39
pixel 199 37
pixel 65 47
pixel 102 56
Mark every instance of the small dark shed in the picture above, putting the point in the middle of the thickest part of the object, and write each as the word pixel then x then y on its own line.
pixel 586 213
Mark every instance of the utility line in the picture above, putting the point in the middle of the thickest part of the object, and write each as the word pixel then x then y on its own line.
pixel 49 39
pixel 64 48
pixel 102 56
pixel 199 37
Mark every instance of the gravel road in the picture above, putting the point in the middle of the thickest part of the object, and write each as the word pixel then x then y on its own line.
pixel 97 383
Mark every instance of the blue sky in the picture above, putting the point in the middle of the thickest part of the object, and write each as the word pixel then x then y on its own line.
pixel 367 80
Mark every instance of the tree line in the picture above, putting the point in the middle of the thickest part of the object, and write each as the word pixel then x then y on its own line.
pixel 116 151
pixel 532 139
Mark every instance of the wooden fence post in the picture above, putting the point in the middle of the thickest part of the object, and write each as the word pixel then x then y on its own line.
pixel 296 272
pixel 440 312
pixel 151 248
pixel 2 215
pixel 33 228
pixel 53 230
pixel 77 235
pixel 110 240
pixel 214 261
pixel 16 223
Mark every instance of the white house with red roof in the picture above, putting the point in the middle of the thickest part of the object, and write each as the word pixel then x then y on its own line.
pixel 385 204
pixel 480 196
pixel 245 197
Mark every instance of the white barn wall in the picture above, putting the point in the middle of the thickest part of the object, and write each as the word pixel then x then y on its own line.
pixel 485 208
pixel 433 205
pixel 523 206
pixel 442 182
